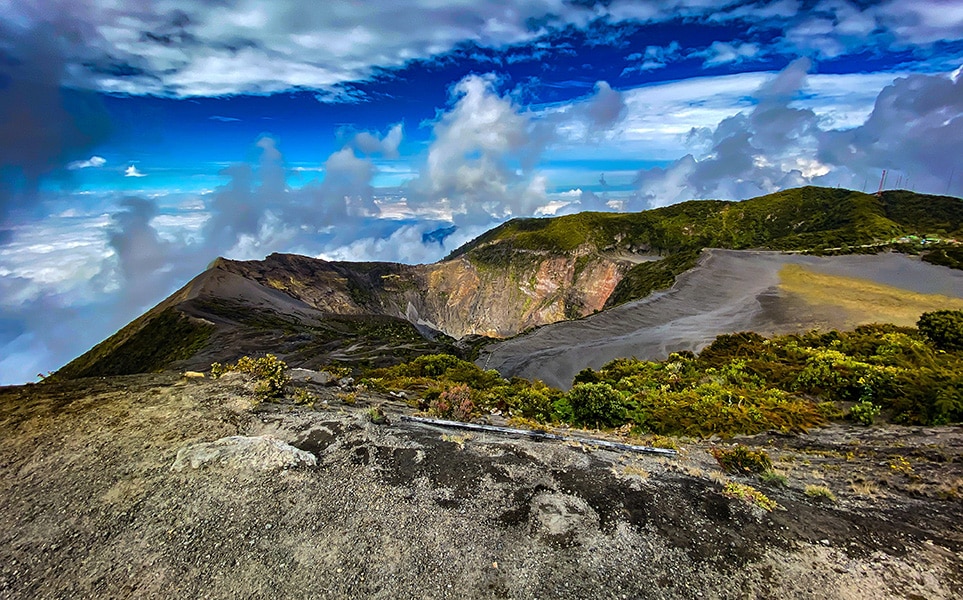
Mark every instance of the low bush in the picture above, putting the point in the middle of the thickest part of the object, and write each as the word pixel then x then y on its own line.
pixel 944 328
pixel 268 373
pixel 740 459
pixel 864 412
pixel 593 405
pixel 454 403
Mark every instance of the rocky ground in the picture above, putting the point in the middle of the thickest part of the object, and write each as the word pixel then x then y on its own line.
pixel 159 486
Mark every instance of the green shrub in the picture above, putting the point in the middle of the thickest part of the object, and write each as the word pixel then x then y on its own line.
pixel 774 478
pixel 268 373
pixel 864 412
pixel 595 405
pixel 741 459
pixel 433 365
pixel 944 328
pixel 715 409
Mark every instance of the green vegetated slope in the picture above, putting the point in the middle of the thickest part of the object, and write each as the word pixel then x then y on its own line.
pixel 740 384
pixel 147 344
pixel 803 219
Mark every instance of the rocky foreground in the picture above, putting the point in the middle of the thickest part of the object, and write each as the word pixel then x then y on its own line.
pixel 158 486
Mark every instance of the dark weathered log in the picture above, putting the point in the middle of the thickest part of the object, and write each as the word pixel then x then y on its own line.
pixel 539 435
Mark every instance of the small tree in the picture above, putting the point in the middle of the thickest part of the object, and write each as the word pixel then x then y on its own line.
pixel 944 328
pixel 596 404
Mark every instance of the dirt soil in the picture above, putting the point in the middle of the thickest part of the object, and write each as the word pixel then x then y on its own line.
pixel 112 488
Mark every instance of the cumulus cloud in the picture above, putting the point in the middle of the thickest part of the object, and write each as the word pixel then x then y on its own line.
pixel 915 128
pixel 387 145
pixel 133 171
pixel 723 53
pixel 476 160
pixel 482 161
pixel 749 154
pixel 92 162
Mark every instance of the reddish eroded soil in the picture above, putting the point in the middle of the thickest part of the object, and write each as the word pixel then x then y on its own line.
pixel 90 507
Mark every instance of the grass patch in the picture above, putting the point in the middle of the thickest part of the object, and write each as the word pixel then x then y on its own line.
pixel 820 492
pixel 863 299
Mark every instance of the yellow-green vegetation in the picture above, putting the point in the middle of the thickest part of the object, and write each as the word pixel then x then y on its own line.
pixel 749 495
pixel 901 465
pixel 820 492
pixel 303 396
pixel 864 412
pixel 267 371
pixel 740 459
pixel 862 298
pixel 742 383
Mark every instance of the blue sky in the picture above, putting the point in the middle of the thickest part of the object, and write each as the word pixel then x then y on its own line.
pixel 138 141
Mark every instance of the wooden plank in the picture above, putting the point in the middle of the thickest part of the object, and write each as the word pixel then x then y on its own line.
pixel 539 435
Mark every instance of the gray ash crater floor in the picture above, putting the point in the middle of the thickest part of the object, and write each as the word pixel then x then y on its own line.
pixel 728 291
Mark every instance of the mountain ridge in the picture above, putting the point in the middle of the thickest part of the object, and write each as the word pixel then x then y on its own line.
pixel 522 274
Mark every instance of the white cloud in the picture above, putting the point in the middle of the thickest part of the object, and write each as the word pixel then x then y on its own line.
pixel 387 145
pixel 132 171
pixel 92 162
pixel 654 57
pixel 189 48
pixel 915 127
pixel 723 53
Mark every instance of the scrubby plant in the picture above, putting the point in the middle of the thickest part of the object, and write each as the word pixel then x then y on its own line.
pixel 268 372
pixel 748 494
pixel 944 328
pixel 864 412
pixel 740 459
pixel 349 398
pixel 455 403
pixel 593 405
pixel 820 492
pixel 302 396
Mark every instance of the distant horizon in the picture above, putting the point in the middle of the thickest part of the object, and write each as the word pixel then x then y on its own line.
pixel 136 144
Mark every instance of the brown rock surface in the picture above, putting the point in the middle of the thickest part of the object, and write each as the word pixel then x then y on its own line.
pixel 90 507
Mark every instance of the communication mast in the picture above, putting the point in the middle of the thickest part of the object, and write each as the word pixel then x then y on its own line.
pixel 882 182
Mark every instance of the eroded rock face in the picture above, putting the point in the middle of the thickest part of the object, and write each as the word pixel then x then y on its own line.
pixel 259 453
pixel 456 296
